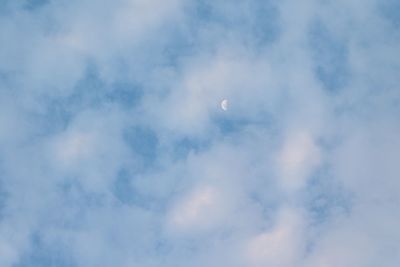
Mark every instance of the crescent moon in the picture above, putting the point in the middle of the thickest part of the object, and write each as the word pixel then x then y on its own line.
pixel 224 104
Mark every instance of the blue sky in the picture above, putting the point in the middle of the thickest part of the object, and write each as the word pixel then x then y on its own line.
pixel 114 150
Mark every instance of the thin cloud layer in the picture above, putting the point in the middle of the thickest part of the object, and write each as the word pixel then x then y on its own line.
pixel 114 150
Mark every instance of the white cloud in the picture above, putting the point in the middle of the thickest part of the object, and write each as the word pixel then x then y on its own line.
pixel 90 148
pixel 201 209
pixel 74 147
pixel 282 245
pixel 8 254
pixel 298 157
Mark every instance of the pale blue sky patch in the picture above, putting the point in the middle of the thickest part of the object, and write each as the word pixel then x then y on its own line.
pixel 114 149
pixel 325 198
pixel 391 11
pixel 31 5
pixel 330 54
pixel 143 143
pixel 125 191
pixel 45 253
pixel 181 148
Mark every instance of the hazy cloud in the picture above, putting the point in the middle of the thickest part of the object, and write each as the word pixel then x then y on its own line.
pixel 114 150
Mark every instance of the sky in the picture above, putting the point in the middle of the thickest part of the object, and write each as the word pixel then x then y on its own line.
pixel 114 149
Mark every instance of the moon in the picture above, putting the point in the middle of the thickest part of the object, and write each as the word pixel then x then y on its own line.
pixel 224 104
